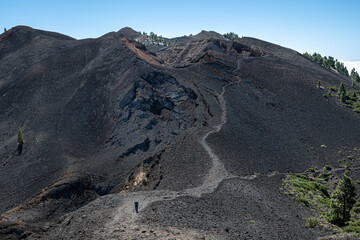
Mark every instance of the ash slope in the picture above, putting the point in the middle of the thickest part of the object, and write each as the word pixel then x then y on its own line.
pixel 107 115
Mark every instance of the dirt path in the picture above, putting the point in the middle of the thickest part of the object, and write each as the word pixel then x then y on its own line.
pixel 125 216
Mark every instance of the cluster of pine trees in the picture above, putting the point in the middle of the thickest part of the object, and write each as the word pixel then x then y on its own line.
pixel 231 36
pixel 329 62
pixel 154 38
pixel 354 75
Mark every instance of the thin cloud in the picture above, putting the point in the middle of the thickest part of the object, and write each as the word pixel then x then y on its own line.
pixel 352 64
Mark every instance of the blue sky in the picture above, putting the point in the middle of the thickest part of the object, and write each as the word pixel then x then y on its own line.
pixel 326 26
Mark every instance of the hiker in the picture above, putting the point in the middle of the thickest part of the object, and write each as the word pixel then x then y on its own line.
pixel 136 207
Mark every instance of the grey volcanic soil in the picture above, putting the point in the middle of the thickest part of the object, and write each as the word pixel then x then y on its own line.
pixel 164 127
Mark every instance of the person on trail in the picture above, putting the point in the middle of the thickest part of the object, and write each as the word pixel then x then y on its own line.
pixel 136 207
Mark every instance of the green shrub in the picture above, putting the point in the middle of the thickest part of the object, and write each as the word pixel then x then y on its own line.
pixel 303 200
pixel 334 89
pixel 357 105
pixel 311 222
pixel 352 95
pixel 346 164
pixel 353 227
pixel 327 167
pixel 326 175
pixel 356 208
pixel 357 110
pixel 20 137
pixel 312 169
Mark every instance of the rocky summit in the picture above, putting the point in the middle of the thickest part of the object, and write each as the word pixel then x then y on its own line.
pixel 201 131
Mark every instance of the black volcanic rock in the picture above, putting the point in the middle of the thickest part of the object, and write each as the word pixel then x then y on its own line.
pixel 203 35
pixel 128 32
pixel 107 116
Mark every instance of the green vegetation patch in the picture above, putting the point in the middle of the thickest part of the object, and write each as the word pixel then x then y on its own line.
pixel 336 209
pixel 350 98
pixel 231 36
pixel 310 190
pixel 326 175
pixel 311 222
pixel 305 201
pixel 327 167
pixel 334 89
pixel 352 227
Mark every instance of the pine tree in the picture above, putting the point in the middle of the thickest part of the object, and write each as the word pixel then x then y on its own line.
pixel 307 55
pixel 231 36
pixel 354 75
pixel 318 84
pixel 342 89
pixel 342 97
pixel 342 201
pixel 331 62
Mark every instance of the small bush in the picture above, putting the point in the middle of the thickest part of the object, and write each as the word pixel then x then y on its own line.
pixel 352 95
pixel 326 175
pixel 323 146
pixel 334 89
pixel 311 222
pixel 20 137
pixel 327 167
pixel 353 227
pixel 346 164
pixel 303 200
pixel 357 110
pixel 356 208
pixel 312 169
pixel 357 105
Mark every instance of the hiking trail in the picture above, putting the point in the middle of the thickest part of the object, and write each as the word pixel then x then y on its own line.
pixel 125 213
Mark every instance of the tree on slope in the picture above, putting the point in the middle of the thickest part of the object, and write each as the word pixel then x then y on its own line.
pixel 341 89
pixel 342 201
pixel 354 75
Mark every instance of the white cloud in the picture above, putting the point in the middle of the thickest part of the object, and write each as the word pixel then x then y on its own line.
pixel 352 64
